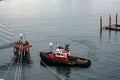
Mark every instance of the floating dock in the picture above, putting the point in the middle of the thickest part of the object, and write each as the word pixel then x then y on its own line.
pixel 110 26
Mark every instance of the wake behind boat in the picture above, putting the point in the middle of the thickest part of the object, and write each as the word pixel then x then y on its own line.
pixel 61 57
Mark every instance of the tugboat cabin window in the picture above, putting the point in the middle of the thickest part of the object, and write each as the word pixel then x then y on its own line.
pixel 60 55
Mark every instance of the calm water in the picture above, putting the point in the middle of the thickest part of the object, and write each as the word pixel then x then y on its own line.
pixel 65 21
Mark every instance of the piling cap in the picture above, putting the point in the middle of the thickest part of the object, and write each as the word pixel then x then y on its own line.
pixel 100 17
pixel 109 15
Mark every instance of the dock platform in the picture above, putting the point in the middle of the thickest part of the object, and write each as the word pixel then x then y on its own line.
pixel 113 27
pixel 110 26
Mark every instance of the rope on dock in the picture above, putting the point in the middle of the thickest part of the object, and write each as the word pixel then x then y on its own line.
pixel 52 70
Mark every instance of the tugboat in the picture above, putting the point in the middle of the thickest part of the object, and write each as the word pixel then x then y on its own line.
pixel 61 57
pixel 22 49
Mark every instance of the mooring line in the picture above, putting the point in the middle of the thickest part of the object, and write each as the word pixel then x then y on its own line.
pixel 8 69
pixel 21 67
pixel 18 73
pixel 52 70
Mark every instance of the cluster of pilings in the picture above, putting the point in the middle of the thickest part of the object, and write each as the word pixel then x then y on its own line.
pixel 110 26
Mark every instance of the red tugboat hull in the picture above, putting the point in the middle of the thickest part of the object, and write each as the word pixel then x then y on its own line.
pixel 72 61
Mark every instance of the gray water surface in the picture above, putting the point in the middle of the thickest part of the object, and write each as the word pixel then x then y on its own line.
pixel 65 21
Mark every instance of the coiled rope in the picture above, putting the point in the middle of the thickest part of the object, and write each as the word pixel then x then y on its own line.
pixel 52 70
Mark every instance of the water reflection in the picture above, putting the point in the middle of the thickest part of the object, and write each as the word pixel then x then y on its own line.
pixel 100 33
pixel 25 60
pixel 12 66
pixel 3 67
pixel 64 72
pixel 109 34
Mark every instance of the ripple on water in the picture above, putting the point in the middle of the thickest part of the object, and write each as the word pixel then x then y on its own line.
pixel 6 32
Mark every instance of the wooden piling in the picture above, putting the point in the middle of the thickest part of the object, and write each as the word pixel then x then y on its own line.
pixel 116 19
pixel 100 26
pixel 110 26
pixel 100 23
pixel 110 21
